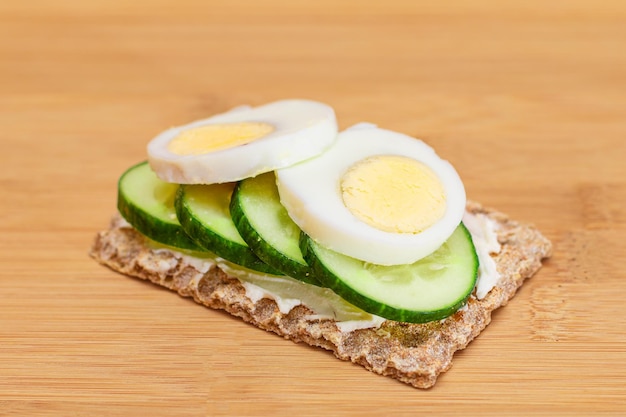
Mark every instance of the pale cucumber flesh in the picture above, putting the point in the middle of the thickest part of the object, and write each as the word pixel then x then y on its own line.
pixel 147 203
pixel 265 225
pixel 203 212
pixel 430 289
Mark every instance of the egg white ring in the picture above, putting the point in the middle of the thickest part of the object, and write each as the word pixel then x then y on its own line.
pixel 310 191
pixel 303 129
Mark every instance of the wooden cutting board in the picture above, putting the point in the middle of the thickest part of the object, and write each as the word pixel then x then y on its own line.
pixel 525 98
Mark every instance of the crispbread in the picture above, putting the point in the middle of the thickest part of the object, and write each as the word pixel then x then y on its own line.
pixel 412 353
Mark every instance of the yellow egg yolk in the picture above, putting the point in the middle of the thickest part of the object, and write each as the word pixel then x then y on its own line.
pixel 394 194
pixel 210 138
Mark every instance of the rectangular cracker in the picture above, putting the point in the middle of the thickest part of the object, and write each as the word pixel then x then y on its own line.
pixel 412 353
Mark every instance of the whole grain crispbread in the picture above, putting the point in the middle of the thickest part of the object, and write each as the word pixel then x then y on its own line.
pixel 412 353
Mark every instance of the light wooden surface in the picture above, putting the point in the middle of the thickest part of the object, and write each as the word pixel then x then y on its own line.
pixel 526 98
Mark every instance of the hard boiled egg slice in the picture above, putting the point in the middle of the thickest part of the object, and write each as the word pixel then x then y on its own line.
pixel 243 143
pixel 375 195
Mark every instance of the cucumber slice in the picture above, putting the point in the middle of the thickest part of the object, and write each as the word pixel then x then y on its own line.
pixel 203 212
pixel 267 228
pixel 430 289
pixel 147 203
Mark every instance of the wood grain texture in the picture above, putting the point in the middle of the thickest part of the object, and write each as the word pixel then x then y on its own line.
pixel 525 98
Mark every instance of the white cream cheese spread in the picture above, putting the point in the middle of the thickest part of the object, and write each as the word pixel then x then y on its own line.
pixel 483 231
pixel 289 293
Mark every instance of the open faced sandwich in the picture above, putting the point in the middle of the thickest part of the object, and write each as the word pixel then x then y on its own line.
pixel 360 241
